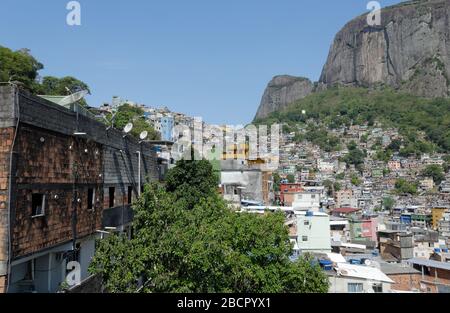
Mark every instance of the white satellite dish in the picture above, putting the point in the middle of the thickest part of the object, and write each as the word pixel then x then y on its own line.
pixel 303 112
pixel 368 262
pixel 128 128
pixel 75 97
pixel 143 135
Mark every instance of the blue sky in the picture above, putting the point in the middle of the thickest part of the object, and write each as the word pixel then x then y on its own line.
pixel 209 58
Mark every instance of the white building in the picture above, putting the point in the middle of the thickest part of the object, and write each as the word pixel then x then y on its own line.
pixel 313 232
pixel 307 200
pixel 349 278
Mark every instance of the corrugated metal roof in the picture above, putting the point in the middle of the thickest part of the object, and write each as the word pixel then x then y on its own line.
pixel 430 263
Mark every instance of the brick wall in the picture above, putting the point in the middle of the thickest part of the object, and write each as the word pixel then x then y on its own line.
pixel 406 282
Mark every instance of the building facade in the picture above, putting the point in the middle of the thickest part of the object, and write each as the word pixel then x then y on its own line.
pixel 64 181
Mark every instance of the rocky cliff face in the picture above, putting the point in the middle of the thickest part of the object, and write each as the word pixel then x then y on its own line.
pixel 410 50
pixel 282 91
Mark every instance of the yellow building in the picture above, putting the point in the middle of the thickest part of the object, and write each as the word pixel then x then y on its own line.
pixel 436 216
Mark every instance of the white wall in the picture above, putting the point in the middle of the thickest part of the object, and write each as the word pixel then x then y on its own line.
pixel 317 233
pixel 339 284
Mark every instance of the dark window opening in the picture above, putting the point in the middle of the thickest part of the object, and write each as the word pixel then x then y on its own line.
pixel 91 196
pixel 130 194
pixel 112 192
pixel 378 288
pixel 38 204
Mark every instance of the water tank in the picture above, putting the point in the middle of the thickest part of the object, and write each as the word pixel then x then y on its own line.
pixel 445 250
pixel 437 250
pixel 309 213
pixel 326 265
pixel 355 261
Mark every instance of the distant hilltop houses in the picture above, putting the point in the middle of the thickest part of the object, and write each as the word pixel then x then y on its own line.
pixel 162 119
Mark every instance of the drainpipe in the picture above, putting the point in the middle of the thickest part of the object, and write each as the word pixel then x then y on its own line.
pixel 16 105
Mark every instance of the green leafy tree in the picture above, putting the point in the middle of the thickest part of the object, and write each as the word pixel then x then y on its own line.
pixel 434 171
pixel 388 203
pixel 22 67
pixel 130 114
pixel 355 156
pixel 402 186
pixel 202 246
pixel 356 181
pixel 19 66
pixel 337 186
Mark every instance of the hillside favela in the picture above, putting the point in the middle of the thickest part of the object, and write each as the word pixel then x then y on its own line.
pixel 199 147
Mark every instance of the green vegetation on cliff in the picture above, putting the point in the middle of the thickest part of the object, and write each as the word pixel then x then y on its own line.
pixel 346 106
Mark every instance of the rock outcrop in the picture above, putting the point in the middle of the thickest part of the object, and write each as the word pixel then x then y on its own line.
pixel 409 51
pixel 282 91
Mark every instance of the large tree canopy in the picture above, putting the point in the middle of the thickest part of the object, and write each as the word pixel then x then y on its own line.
pixel 201 245
pixel 20 66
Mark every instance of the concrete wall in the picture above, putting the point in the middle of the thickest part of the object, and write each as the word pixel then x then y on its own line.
pixel 317 233
pixel 339 284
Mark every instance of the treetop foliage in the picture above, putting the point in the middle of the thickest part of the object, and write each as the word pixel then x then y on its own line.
pixel 197 244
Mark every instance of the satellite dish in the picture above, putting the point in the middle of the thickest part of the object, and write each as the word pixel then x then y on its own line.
pixel 128 128
pixel 368 262
pixel 303 112
pixel 75 97
pixel 143 135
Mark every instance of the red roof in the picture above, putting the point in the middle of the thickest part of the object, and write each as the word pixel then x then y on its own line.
pixel 346 210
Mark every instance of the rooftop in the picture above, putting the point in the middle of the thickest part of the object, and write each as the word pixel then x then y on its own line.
pixel 345 210
pixel 364 272
pixel 396 268
pixel 430 263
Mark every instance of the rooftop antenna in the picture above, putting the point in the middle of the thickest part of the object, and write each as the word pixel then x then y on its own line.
pixel 114 110
pixel 127 129
pixel 143 136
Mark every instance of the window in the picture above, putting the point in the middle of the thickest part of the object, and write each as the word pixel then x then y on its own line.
pixel 355 287
pixel 112 192
pixel 29 273
pixel 313 196
pixel 304 238
pixel 91 199
pixel 378 288
pixel 38 204
pixel 130 194
pixel 306 223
